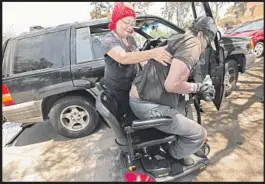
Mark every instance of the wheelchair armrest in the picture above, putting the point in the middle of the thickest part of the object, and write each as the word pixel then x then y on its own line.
pixel 150 123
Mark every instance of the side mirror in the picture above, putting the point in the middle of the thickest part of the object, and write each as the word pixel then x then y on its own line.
pixel 219 36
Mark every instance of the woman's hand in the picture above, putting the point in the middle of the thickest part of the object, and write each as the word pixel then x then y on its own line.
pixel 161 55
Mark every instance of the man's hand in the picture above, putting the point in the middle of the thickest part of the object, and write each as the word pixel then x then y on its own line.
pixel 161 55
pixel 206 92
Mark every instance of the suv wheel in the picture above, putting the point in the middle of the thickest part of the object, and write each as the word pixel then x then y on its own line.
pixel 231 76
pixel 74 117
pixel 259 49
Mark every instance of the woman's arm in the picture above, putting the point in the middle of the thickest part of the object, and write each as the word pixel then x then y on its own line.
pixel 159 54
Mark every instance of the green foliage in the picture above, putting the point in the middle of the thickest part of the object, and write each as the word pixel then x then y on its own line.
pixel 178 12
pixel 237 6
pixel 143 7
pixel 101 9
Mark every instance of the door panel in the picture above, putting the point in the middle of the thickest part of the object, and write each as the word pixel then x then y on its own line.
pixel 86 69
pixel 214 60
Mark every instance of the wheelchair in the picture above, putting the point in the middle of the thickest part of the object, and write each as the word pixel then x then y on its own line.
pixel 143 147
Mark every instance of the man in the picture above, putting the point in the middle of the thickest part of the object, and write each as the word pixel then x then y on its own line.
pixel 158 90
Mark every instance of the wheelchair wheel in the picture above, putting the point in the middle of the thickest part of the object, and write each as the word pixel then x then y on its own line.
pixel 206 149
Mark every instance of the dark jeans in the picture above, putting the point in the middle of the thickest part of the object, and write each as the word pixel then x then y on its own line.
pixel 191 134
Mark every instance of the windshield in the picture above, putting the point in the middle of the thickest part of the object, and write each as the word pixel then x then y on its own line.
pixel 156 29
pixel 249 27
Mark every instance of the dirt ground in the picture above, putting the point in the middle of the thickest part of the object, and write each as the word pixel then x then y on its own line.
pixel 235 133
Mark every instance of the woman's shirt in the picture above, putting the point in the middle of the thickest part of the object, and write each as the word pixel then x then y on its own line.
pixel 117 75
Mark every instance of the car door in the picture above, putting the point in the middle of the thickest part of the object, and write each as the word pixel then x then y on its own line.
pixel 87 63
pixel 214 60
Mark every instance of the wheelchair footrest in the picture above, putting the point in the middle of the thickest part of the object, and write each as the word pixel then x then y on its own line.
pixel 157 168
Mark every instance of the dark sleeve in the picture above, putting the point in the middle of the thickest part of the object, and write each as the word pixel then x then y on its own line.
pixel 188 51
pixel 109 42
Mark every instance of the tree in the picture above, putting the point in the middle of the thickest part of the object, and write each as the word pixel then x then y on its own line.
pixel 236 7
pixel 7 34
pixel 101 10
pixel 177 11
pixel 169 10
pixel 142 7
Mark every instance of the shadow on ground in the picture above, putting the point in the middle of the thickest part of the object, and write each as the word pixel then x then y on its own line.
pixel 236 133
pixel 40 133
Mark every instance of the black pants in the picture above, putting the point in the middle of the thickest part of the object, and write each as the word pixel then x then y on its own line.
pixel 122 98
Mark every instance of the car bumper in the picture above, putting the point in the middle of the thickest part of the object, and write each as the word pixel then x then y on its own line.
pixel 250 60
pixel 29 112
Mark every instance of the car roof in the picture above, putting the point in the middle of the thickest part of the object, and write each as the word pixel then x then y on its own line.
pixel 87 23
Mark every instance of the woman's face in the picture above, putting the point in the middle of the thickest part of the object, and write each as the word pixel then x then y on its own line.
pixel 124 27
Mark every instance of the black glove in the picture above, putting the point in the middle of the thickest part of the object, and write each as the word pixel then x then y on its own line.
pixel 206 92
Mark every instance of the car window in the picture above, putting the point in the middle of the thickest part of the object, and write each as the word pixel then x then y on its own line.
pixel 96 39
pixel 244 28
pixel 258 25
pixel 83 45
pixel 157 29
pixel 140 40
pixel 39 52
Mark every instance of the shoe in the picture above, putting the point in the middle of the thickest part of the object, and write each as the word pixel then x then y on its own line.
pixel 200 154
pixel 187 161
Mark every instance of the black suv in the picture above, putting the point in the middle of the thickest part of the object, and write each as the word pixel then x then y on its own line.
pixel 54 73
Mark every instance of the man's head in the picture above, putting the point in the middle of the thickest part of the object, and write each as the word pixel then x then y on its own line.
pixel 205 29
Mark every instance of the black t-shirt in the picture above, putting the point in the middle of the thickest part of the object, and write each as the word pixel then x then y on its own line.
pixel 117 75
pixel 150 82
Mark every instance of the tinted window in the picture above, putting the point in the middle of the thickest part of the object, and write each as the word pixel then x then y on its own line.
pixel 83 46
pixel 96 39
pixel 40 52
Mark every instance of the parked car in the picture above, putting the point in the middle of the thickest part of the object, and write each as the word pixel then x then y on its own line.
pixel 253 29
pixel 53 74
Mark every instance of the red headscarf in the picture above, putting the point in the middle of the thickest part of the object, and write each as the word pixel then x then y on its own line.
pixel 120 11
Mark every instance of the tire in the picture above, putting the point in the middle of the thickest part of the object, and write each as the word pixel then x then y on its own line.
pixel 231 76
pixel 74 107
pixel 259 49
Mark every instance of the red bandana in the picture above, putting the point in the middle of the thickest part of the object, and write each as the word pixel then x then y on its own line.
pixel 120 11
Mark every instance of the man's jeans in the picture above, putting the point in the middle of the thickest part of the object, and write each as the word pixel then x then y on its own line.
pixel 191 134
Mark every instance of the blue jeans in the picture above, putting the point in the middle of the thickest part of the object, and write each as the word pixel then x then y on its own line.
pixel 191 134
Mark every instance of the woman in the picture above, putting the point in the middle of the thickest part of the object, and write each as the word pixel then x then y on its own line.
pixel 121 55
